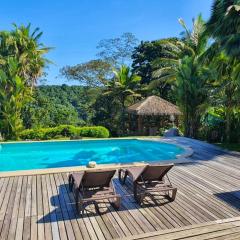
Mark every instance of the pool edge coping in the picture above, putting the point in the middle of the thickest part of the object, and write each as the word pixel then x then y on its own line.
pixel 80 139
pixel 181 158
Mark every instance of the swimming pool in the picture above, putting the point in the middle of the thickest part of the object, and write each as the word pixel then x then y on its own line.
pixel 43 155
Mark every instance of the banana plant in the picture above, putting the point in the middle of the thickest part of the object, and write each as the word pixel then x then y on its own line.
pixel 13 95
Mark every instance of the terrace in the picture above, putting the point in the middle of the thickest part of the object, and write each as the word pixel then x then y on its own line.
pixel 207 205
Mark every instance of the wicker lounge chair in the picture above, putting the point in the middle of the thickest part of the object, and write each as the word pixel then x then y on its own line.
pixel 148 180
pixel 90 186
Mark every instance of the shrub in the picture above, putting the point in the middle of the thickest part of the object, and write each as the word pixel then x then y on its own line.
pixel 162 130
pixel 98 132
pixel 64 131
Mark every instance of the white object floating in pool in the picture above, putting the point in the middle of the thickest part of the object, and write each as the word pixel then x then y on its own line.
pixel 91 164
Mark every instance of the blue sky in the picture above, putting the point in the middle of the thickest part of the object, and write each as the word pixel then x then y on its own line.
pixel 74 27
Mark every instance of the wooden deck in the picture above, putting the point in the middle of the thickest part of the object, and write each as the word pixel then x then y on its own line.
pixel 227 229
pixel 41 206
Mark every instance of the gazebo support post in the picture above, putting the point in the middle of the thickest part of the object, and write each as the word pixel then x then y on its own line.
pixel 140 125
pixel 129 123
pixel 177 121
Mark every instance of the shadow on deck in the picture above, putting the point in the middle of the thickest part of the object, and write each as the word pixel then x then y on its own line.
pixel 231 198
pixel 62 203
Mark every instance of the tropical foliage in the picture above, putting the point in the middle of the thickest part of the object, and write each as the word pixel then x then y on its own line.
pixel 227 91
pixel 181 64
pixel 195 71
pixel 224 25
pixel 123 87
pixel 12 97
pixel 21 63
pixel 199 71
pixel 56 105
pixel 64 131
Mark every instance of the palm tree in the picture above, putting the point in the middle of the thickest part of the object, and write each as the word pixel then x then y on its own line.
pixel 21 62
pixel 227 88
pixel 224 25
pixel 24 45
pixel 123 86
pixel 183 67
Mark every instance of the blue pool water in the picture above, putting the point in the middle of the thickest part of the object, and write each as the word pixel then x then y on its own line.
pixel 41 155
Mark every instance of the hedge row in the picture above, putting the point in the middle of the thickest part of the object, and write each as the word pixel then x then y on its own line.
pixel 64 131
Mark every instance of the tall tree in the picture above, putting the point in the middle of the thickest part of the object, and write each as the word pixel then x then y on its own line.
pixel 224 25
pixel 144 55
pixel 21 63
pixel 25 46
pixel 123 86
pixel 92 73
pixel 227 88
pixel 117 51
pixel 182 66
pixel 112 53
pixel 107 110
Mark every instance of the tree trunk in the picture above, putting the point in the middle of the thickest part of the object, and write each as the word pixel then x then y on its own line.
pixel 228 125
pixel 228 114
pixel 122 124
pixel 186 121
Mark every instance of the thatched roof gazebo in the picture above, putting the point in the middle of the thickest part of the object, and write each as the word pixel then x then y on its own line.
pixel 153 108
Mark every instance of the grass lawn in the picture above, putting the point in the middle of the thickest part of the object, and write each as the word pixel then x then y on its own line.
pixel 229 146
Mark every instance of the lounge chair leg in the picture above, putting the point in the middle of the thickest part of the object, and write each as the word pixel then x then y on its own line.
pixel 174 192
pixel 80 208
pixel 117 203
pixel 76 193
pixel 70 182
pixel 96 207
pixel 138 198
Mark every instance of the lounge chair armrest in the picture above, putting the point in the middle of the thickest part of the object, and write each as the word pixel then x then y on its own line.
pixel 135 172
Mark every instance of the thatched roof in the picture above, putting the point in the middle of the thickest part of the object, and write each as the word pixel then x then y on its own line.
pixel 154 105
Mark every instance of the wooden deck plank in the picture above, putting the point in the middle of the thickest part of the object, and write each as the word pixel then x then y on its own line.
pixel 155 223
pixel 13 225
pixel 135 210
pixel 19 229
pixel 73 215
pixel 198 231
pixel 52 212
pixel 58 213
pixel 42 207
pixel 5 198
pixel 78 223
pixel 9 209
pixel 39 203
pixel 34 196
pixel 46 212
pixel 4 201
pixel 34 228
pixel 211 201
pixel 64 210
pixel 108 223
